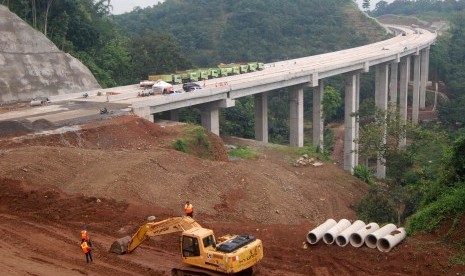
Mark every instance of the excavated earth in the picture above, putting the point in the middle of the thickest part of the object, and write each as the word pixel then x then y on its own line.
pixel 112 174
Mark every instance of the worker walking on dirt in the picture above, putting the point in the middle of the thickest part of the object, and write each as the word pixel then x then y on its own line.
pixel 189 209
pixel 85 235
pixel 87 250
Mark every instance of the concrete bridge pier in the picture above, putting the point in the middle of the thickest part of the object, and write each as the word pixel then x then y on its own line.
pixel 416 88
pixel 296 138
pixel 261 116
pixel 144 112
pixel 424 56
pixel 381 100
pixel 210 114
pixel 174 115
pixel 351 83
pixel 357 123
pixel 393 83
pixel 209 117
pixel 318 122
pixel 403 91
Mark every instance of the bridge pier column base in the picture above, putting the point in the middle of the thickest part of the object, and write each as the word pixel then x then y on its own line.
pixel 209 115
pixel 143 112
pixel 296 138
pixel 261 117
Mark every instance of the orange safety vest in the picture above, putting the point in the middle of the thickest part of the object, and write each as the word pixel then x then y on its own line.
pixel 85 248
pixel 188 208
pixel 84 235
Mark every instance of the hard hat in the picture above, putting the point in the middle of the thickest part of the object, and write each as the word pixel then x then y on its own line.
pixel 84 227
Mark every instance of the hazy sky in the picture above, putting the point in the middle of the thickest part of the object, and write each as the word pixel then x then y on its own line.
pixel 372 3
pixel 122 6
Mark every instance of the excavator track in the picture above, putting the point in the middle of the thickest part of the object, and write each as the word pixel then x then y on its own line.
pixel 183 272
pixel 192 271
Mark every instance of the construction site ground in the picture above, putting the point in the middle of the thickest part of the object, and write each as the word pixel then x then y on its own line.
pixel 112 174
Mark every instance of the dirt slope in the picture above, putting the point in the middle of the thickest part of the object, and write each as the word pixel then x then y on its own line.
pixel 31 65
pixel 112 174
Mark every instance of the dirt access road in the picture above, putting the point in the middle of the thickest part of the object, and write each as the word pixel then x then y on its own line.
pixel 112 174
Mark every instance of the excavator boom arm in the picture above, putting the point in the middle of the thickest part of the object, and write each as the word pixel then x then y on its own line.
pixel 151 229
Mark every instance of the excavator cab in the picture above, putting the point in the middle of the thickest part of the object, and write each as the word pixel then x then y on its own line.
pixel 191 245
pixel 196 244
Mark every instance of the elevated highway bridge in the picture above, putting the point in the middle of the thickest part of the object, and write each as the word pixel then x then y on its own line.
pixel 393 61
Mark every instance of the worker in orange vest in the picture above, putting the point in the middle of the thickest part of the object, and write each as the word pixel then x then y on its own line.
pixel 87 250
pixel 85 235
pixel 189 209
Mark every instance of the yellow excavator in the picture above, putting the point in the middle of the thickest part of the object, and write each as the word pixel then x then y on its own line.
pixel 229 254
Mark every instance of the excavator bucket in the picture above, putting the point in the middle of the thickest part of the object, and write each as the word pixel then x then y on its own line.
pixel 120 246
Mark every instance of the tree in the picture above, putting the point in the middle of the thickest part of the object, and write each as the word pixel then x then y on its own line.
pixel 453 50
pixel 238 120
pixel 278 116
pixel 381 133
pixel 454 166
pixel 114 58
pixel 366 5
pixel 380 6
pixel 439 59
pixel 47 10
pixel 155 53
pixel 331 102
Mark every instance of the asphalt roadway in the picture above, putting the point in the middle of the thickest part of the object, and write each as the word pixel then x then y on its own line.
pixel 26 118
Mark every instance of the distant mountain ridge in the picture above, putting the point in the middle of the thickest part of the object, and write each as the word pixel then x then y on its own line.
pixel 226 31
pixel 31 65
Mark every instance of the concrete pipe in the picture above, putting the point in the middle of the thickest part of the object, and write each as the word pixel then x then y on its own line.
pixel 332 233
pixel 372 239
pixel 316 234
pixel 343 238
pixel 357 239
pixel 386 243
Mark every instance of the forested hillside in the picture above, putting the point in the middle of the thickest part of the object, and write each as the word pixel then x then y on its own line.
pixel 423 8
pixel 248 30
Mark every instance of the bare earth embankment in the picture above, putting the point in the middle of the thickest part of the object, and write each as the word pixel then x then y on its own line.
pixel 112 174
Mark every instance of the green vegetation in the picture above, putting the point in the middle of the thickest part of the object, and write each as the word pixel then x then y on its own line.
pixel 376 207
pixel 429 218
pixel 244 153
pixel 416 174
pixel 181 145
pixel 238 120
pixel 194 141
pixel 332 102
pixel 364 173
pixel 419 7
pixel 244 30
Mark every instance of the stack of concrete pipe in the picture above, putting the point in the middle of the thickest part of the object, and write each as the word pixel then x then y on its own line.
pixel 358 233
